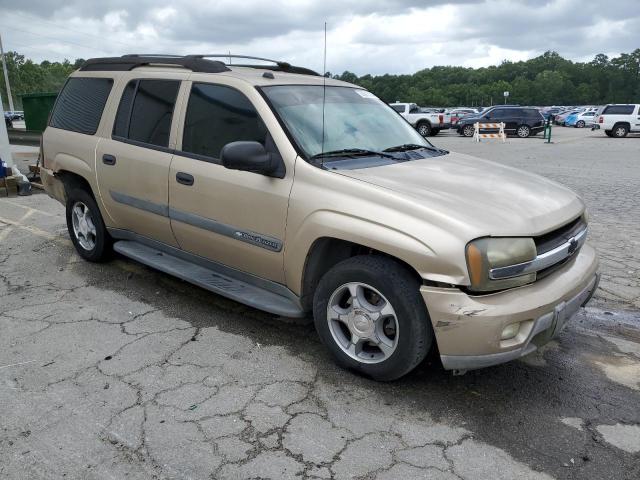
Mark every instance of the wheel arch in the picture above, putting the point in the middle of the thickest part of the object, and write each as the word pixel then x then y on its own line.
pixel 326 251
pixel 74 180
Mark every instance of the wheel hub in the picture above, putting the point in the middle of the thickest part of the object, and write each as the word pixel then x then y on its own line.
pixel 361 324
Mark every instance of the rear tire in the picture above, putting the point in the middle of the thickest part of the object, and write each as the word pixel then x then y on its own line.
pixel 424 129
pixel 523 131
pixel 468 130
pixel 86 227
pixel 369 313
pixel 620 130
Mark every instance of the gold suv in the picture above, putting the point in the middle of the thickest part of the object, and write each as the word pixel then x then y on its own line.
pixel 294 193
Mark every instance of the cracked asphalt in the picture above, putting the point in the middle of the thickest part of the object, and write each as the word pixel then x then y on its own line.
pixel 116 371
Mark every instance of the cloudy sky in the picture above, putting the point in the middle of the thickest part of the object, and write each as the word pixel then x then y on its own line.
pixel 364 36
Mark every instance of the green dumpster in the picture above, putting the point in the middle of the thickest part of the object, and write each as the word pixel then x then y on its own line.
pixel 37 107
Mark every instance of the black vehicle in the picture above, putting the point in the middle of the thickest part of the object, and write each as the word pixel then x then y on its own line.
pixel 520 121
pixel 7 121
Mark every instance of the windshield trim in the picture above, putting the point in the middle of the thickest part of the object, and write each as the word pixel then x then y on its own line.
pixel 318 162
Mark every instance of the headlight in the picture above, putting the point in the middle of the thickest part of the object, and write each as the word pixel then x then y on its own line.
pixel 487 253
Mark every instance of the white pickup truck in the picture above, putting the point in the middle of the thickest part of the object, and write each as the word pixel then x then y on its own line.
pixel 424 121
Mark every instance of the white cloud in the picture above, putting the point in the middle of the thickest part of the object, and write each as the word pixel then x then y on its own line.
pixel 377 36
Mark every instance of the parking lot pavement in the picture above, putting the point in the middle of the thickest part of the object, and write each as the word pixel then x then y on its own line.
pixel 117 371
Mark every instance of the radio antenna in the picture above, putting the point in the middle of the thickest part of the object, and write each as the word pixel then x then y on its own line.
pixel 324 89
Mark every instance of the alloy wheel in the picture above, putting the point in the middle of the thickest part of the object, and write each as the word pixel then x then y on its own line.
pixel 523 131
pixel 83 226
pixel 362 322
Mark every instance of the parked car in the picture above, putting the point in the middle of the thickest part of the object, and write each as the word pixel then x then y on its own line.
pixel 551 112
pixel 520 121
pixel 618 120
pixel 581 119
pixel 186 164
pixel 561 118
pixel 424 121
pixel 458 113
pixel 15 115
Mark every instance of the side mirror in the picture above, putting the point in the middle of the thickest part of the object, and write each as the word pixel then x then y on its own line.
pixel 251 157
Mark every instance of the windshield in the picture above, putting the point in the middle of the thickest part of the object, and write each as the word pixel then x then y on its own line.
pixel 354 119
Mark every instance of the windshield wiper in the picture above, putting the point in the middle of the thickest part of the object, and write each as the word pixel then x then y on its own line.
pixel 351 152
pixel 409 146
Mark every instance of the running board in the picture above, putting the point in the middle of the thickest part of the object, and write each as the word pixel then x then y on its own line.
pixel 210 279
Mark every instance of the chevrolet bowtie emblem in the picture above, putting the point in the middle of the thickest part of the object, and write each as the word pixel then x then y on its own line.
pixel 573 246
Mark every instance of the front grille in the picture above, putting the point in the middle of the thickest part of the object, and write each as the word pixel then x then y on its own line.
pixel 557 237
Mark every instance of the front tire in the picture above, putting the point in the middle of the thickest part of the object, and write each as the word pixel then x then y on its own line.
pixel 424 129
pixel 523 131
pixel 580 124
pixel 86 227
pixel 369 313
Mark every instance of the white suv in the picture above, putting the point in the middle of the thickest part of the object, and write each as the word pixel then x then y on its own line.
pixel 617 120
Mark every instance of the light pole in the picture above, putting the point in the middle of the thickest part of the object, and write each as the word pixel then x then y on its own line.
pixel 6 77
pixel 5 149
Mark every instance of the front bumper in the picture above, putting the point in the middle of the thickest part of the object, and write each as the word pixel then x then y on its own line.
pixel 468 328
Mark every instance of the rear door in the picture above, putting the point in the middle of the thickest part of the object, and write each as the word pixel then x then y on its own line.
pixel 133 164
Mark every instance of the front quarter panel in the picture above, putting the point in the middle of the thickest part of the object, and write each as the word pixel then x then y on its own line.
pixel 325 204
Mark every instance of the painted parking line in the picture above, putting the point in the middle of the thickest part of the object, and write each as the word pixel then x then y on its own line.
pixel 15 204
pixel 34 230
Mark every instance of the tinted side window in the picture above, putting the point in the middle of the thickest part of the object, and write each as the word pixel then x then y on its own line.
pixel 618 110
pixel 398 108
pixel 217 115
pixel 498 113
pixel 80 104
pixel 146 110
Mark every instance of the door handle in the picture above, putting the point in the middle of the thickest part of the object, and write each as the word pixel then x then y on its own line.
pixel 184 178
pixel 108 159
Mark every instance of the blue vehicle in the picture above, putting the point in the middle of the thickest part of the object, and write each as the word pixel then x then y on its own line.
pixel 571 120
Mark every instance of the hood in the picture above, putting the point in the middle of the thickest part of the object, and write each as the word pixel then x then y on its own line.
pixel 478 196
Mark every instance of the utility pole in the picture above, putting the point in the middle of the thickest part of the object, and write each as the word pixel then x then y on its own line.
pixel 6 76
pixel 5 149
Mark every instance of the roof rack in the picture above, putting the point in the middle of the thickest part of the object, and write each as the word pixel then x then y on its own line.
pixel 196 63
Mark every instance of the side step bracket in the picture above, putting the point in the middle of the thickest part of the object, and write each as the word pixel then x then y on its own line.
pixel 210 279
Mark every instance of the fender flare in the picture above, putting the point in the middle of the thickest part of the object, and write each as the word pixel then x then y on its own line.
pixel 357 230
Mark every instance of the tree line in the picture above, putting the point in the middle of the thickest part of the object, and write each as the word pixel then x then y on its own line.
pixel 547 79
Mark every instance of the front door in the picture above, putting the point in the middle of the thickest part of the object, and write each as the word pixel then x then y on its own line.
pixel 232 217
pixel 133 165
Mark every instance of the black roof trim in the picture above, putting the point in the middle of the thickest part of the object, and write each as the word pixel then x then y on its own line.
pixel 196 63
pixel 282 67
pixel 129 62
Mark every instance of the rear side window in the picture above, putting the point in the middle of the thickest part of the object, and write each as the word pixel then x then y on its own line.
pixel 80 104
pixel 217 115
pixel 618 110
pixel 146 110
pixel 498 113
